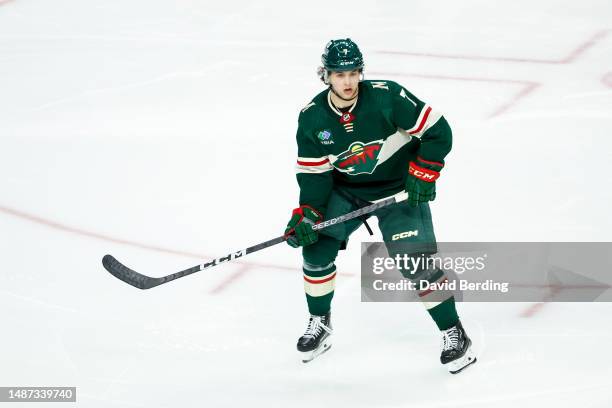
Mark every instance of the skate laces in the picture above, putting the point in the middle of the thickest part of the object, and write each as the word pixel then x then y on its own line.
pixel 450 338
pixel 315 325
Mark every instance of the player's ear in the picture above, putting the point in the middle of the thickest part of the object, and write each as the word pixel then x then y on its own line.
pixel 323 75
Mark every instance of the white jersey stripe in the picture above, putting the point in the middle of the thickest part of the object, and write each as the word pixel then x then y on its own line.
pixel 313 169
pixel 312 159
pixel 313 165
pixel 392 144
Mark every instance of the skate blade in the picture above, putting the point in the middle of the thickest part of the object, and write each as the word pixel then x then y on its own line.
pixel 469 358
pixel 311 355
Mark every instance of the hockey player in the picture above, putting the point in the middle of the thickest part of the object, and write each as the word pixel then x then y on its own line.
pixel 361 141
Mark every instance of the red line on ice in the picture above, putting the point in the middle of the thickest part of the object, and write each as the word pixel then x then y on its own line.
pixel 607 80
pixel 535 308
pixel 230 279
pixel 66 228
pixel 527 87
pixel 595 38
pixel 78 231
pixel 554 290
pixel 570 57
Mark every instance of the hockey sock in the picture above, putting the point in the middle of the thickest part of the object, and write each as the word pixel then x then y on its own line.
pixel 319 284
pixel 439 303
pixel 444 314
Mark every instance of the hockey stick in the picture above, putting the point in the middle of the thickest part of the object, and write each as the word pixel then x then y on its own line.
pixel 141 281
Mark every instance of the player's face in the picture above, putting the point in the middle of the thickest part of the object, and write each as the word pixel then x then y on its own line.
pixel 345 83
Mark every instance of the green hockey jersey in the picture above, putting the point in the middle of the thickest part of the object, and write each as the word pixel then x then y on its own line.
pixel 366 149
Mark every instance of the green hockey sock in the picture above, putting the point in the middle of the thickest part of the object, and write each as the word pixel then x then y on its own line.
pixel 444 314
pixel 319 284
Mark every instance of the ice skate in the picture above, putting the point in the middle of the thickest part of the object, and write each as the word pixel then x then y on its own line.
pixel 317 338
pixel 457 351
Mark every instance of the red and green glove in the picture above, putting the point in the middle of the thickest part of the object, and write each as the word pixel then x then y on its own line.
pixel 299 230
pixel 421 180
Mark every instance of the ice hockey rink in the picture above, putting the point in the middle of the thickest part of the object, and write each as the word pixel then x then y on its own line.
pixel 163 132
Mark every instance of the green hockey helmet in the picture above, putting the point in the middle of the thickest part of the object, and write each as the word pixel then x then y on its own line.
pixel 340 55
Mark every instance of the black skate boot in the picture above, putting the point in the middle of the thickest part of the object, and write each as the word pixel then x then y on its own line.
pixel 457 350
pixel 316 340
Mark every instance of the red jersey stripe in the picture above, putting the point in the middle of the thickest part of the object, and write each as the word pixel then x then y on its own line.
pixel 429 162
pixel 423 121
pixel 319 163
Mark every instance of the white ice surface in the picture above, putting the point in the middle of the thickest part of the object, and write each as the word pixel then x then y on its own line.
pixel 171 124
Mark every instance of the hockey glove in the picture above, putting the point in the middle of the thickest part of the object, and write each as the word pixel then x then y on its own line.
pixel 421 180
pixel 299 230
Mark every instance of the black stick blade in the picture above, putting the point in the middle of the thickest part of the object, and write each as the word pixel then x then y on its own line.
pixel 129 276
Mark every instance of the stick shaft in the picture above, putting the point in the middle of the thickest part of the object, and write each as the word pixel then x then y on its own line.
pixel 141 281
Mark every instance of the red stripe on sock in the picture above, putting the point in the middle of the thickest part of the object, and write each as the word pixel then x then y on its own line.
pixel 320 281
pixel 428 291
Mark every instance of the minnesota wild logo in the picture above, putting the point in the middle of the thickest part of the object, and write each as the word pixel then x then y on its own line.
pixel 359 158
